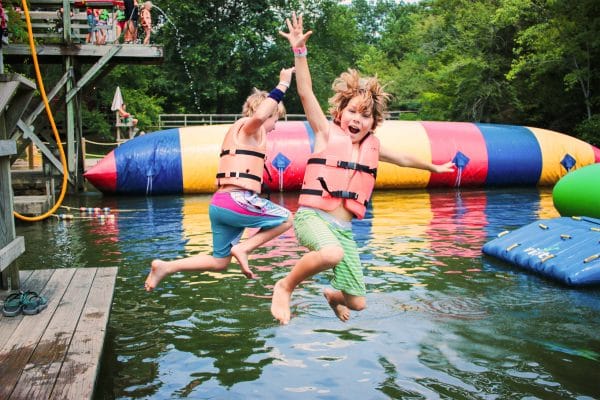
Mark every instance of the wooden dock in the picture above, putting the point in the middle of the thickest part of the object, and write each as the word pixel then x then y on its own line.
pixel 56 353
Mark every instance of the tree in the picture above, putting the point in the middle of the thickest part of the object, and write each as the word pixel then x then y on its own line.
pixel 558 41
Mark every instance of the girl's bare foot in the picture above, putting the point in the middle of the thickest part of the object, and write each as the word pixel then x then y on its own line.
pixel 158 271
pixel 280 305
pixel 242 258
pixel 340 310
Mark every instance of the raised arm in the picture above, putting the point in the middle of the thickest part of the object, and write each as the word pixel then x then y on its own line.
pixel 297 38
pixel 408 160
pixel 268 106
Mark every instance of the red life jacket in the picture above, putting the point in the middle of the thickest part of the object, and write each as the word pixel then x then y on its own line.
pixel 331 176
pixel 241 164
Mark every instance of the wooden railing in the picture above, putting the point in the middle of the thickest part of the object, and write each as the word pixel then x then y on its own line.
pixel 47 21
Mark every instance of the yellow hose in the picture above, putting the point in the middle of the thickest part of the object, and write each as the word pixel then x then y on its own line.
pixel 63 159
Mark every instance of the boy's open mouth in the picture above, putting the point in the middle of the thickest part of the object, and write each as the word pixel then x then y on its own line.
pixel 353 129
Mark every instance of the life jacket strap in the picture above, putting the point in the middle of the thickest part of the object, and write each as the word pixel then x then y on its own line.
pixel 242 151
pixel 316 192
pixel 344 164
pixel 235 174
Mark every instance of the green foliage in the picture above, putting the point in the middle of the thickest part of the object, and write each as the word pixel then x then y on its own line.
pixel 96 125
pixel 17 27
pixel 589 130
pixel 557 45
pixel 526 62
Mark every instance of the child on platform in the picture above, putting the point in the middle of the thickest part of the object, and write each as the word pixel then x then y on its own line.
pixel 338 181
pixel 236 204
pixel 146 18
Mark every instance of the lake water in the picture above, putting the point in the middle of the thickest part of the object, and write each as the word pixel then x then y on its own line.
pixel 443 321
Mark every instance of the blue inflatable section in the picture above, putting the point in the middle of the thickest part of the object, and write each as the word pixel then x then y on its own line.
pixel 145 163
pixel 505 143
pixel 564 249
pixel 311 136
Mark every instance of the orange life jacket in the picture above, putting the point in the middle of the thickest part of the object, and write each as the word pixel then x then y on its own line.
pixel 331 176
pixel 241 164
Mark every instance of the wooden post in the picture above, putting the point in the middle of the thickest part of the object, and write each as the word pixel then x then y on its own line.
pixel 15 95
pixel 10 246
pixel 30 155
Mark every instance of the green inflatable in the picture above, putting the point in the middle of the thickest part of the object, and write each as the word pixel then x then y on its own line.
pixel 578 193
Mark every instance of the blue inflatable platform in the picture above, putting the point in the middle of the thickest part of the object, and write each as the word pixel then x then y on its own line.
pixel 563 249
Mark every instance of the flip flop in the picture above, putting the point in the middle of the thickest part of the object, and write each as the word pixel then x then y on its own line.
pixel 33 303
pixel 13 305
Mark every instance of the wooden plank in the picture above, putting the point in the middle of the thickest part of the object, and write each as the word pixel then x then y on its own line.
pixel 53 15
pixel 16 352
pixel 32 205
pixel 8 147
pixel 37 380
pixel 78 373
pixel 86 53
pixel 10 252
pixel 7 91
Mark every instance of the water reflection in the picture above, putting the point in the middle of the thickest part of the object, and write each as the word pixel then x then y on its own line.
pixel 443 320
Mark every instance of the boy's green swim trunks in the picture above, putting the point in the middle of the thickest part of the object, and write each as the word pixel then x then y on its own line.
pixel 316 230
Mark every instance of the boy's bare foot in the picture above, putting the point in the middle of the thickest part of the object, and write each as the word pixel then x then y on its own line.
pixel 340 310
pixel 242 258
pixel 158 271
pixel 280 305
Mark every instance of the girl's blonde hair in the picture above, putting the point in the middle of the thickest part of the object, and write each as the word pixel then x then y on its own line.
pixel 253 101
pixel 350 85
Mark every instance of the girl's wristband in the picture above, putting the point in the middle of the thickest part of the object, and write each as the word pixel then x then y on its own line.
pixel 276 94
pixel 300 51
pixel 285 84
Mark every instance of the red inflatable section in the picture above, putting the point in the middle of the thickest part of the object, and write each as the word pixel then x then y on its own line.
pixel 288 150
pixel 445 139
pixel 104 174
pixel 596 154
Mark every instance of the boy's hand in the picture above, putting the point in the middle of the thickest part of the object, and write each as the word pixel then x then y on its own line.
pixel 447 167
pixel 296 37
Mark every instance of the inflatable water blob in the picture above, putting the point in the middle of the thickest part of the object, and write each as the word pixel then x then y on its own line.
pixel 185 160
pixel 578 192
pixel 564 249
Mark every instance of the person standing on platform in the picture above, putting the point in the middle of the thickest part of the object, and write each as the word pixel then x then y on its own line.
pixel 131 20
pixel 146 20
pixel 121 20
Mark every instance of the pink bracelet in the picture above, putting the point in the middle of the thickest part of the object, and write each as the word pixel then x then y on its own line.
pixel 300 51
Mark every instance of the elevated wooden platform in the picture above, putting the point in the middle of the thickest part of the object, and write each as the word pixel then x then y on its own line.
pixel 85 53
pixel 55 354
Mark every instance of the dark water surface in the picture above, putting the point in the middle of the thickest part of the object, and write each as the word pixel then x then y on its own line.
pixel 443 321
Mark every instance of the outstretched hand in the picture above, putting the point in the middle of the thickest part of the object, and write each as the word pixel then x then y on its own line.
pixel 285 75
pixel 295 36
pixel 447 167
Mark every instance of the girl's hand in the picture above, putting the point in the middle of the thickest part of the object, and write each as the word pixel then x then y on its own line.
pixel 285 75
pixel 296 37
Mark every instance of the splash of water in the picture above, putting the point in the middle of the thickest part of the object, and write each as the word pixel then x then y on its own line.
pixel 162 20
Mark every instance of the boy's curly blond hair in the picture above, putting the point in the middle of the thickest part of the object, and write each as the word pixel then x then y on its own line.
pixel 349 85
pixel 253 101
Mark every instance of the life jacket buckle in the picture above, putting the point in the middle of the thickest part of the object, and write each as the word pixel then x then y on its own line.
pixel 347 165
pixel 348 195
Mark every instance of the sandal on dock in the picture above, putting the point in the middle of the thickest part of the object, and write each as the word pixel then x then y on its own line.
pixel 33 303
pixel 13 305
